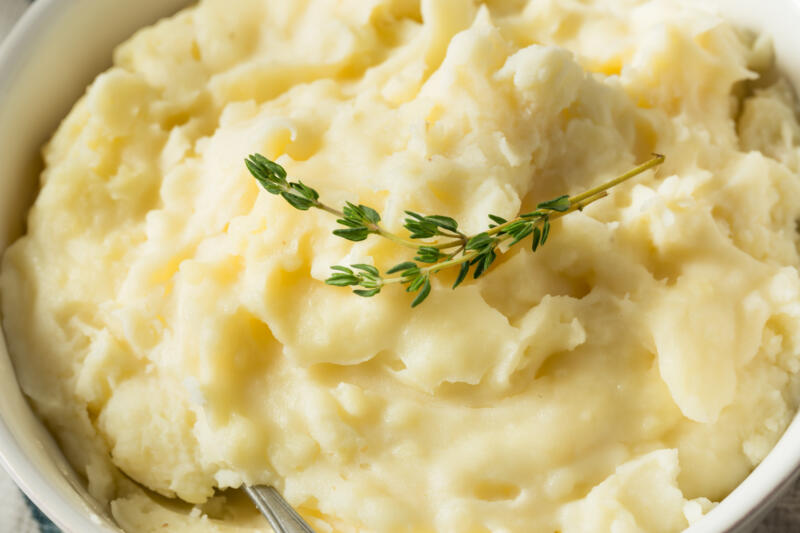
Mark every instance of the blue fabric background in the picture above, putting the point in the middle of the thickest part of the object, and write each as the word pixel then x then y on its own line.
pixel 45 525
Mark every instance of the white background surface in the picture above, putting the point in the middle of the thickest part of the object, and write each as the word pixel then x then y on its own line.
pixel 15 516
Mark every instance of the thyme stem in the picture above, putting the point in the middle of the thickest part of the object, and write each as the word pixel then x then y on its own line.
pixel 476 252
pixel 647 165
pixel 395 238
pixel 450 261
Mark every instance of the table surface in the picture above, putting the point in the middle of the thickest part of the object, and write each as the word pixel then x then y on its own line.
pixel 15 516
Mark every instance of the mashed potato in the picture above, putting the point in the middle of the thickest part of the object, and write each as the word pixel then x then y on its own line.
pixel 170 323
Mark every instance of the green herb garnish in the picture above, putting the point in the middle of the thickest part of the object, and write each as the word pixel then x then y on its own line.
pixel 450 247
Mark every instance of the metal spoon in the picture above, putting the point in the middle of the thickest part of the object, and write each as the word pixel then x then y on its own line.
pixel 280 515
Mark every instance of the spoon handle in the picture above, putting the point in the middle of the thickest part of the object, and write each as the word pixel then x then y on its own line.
pixel 280 515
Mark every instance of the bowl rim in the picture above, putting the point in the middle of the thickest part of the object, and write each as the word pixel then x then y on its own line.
pixel 745 504
pixel 13 52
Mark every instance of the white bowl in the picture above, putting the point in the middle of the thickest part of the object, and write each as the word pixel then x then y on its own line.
pixel 45 65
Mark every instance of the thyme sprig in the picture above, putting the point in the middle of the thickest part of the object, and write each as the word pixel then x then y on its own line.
pixel 450 247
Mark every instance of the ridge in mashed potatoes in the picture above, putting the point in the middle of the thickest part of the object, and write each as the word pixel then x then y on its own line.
pixel 168 320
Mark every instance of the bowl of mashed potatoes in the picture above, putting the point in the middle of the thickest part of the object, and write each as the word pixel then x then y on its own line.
pixel 168 336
